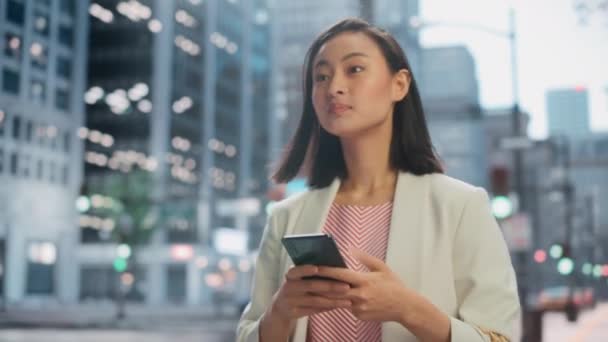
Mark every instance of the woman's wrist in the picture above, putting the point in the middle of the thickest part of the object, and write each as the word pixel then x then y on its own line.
pixel 426 321
pixel 274 326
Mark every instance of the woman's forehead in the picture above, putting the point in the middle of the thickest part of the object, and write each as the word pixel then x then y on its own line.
pixel 345 44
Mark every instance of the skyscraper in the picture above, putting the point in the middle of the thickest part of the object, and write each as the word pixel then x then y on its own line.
pixel 180 90
pixel 42 77
pixel 568 112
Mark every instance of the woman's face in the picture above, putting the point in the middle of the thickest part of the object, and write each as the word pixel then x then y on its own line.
pixel 353 88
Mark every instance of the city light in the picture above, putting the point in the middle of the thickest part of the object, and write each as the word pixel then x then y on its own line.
pixel 123 251
pixel 182 252
pixel 101 13
pixel 540 256
pixel 502 207
pixel 201 262
pixel 83 204
pixel 185 18
pixel 155 26
pixel 187 45
pixel 565 266
pixel 587 269
pixel 556 251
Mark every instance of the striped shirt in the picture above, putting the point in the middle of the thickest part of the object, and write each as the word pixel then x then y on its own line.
pixel 366 228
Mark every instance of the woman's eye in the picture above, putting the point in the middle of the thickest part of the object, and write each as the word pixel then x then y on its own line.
pixel 356 69
pixel 321 78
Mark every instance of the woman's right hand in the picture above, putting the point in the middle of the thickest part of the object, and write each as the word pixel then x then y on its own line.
pixel 299 297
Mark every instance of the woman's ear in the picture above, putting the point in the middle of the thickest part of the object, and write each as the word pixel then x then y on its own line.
pixel 401 84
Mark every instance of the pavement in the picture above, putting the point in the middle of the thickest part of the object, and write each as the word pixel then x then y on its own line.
pixel 104 316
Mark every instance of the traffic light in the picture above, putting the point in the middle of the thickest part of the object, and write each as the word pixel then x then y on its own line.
pixel 502 204
pixel 121 262
pixel 565 264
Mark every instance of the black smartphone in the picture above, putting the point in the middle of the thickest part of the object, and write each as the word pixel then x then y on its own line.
pixel 313 249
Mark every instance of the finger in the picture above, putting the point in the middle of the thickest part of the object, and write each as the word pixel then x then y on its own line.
pixel 341 274
pixel 319 302
pixel 298 272
pixel 370 261
pixel 324 286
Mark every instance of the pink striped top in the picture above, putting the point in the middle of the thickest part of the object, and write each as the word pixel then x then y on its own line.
pixel 366 228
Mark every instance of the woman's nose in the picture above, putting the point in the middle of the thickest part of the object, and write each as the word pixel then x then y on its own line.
pixel 337 85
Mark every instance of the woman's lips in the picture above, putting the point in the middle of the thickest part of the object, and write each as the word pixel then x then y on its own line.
pixel 338 108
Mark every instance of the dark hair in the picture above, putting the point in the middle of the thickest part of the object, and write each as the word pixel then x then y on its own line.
pixel 411 149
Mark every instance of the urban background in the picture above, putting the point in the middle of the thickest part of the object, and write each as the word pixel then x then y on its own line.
pixel 137 138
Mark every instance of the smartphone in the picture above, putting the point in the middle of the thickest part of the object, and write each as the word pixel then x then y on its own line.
pixel 313 249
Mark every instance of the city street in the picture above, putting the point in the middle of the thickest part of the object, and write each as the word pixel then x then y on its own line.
pixel 592 326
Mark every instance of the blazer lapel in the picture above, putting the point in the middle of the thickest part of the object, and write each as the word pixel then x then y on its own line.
pixel 405 243
pixel 311 220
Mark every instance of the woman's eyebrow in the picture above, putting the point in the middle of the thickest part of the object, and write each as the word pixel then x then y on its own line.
pixel 323 62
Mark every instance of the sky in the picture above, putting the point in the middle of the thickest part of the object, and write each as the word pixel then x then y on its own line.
pixel 553 52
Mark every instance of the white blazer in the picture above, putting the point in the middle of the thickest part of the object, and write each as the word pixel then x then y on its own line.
pixel 443 243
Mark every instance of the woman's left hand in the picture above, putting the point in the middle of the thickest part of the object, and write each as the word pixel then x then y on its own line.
pixel 377 295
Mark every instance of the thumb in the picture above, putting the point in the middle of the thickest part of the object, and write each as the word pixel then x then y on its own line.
pixel 370 261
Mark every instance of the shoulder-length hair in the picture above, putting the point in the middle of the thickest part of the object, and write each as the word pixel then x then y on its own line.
pixel 320 152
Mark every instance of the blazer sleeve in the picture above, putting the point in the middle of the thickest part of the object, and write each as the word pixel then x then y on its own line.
pixel 265 282
pixel 485 283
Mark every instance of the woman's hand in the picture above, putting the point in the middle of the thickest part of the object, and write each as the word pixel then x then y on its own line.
pixel 299 297
pixel 378 295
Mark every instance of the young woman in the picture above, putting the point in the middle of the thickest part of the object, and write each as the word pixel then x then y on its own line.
pixel 426 260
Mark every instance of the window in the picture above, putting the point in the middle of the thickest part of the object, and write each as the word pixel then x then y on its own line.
pixel 68 7
pixel 2 121
pixel 25 166
pixel 66 142
pixel 42 257
pixel 39 170
pixel 13 164
pixel 66 35
pixel 15 12
pixel 62 99
pixel 65 174
pixel 52 172
pixel 37 91
pixel 1 160
pixel 10 81
pixel 29 131
pixel 16 128
pixel 41 24
pixel 39 54
pixel 64 67
pixel 12 45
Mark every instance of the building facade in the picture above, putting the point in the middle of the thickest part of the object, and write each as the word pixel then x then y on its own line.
pixel 43 60
pixel 568 112
pixel 179 92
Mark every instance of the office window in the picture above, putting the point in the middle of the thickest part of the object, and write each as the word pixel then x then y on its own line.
pixel 52 172
pixel 42 257
pixel 10 81
pixel 2 121
pixel 13 163
pixel 68 7
pixel 66 35
pixel 29 131
pixel 25 166
pixel 41 24
pixel 16 128
pixel 64 67
pixel 38 91
pixel 13 45
pixel 62 99
pixel 39 169
pixel 1 160
pixel 15 12
pixel 40 55
pixel 65 174
pixel 66 142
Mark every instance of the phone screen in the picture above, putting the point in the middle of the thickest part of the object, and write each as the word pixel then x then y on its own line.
pixel 313 249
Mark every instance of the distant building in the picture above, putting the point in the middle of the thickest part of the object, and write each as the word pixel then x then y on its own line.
pixel 42 79
pixel 568 112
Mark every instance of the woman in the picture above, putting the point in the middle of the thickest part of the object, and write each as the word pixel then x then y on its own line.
pixel 426 260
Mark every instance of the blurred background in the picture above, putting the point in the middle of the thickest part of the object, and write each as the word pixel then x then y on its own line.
pixel 137 138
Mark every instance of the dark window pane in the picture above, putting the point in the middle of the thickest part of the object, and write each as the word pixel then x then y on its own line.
pixel 39 278
pixel 62 99
pixel 12 45
pixel 1 160
pixel 38 91
pixel 41 24
pixel 66 36
pixel 25 166
pixel 29 131
pixel 64 67
pixel 66 142
pixel 40 169
pixel 65 174
pixel 2 121
pixel 13 164
pixel 15 12
pixel 39 56
pixel 52 172
pixel 10 81
pixel 68 7
pixel 16 128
